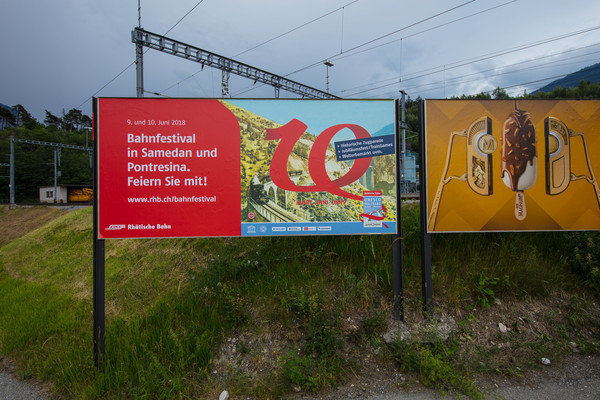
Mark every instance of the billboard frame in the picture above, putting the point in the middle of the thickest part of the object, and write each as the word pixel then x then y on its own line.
pixel 446 119
pixel 99 274
pixel 546 112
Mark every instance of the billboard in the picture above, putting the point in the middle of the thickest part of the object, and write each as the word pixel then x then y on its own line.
pixel 506 165
pixel 243 167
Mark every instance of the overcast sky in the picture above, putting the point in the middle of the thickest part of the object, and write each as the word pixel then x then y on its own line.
pixel 57 54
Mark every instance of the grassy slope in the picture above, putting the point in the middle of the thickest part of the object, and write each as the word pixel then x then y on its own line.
pixel 45 305
pixel 172 302
pixel 16 223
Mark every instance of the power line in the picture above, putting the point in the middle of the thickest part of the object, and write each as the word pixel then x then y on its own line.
pixel 411 25
pixel 459 80
pixel 270 40
pixel 133 62
pixel 295 29
pixel 384 36
pixel 436 85
pixel 341 57
pixel 504 87
pixel 182 18
pixel 473 60
pixel 396 81
pixel 488 56
pixel 109 82
pixel 412 35
pixel 539 80
pixel 367 43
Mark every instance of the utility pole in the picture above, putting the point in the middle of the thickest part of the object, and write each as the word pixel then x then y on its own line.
pixel 225 83
pixel 403 124
pixel 12 172
pixel 55 198
pixel 327 65
pixel 139 59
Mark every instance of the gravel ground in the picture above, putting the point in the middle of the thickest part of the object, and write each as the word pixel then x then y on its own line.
pixel 12 389
pixel 577 377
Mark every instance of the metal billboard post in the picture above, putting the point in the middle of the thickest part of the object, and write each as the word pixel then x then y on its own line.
pixel 397 273
pixel 426 274
pixel 99 267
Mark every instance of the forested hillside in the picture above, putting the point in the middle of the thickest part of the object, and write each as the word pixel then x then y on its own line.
pixel 590 73
pixel 34 164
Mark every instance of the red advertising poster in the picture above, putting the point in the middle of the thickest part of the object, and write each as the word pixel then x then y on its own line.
pixel 243 167
pixel 167 168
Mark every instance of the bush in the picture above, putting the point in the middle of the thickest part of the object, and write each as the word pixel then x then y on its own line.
pixel 585 259
pixel 323 337
pixel 434 366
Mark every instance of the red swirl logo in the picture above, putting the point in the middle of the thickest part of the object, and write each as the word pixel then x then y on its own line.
pixel 289 134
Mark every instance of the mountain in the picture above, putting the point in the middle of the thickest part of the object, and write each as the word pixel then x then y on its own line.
pixel 591 73
pixel 386 130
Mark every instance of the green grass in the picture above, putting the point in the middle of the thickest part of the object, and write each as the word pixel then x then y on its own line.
pixel 435 365
pixel 527 264
pixel 48 329
pixel 174 305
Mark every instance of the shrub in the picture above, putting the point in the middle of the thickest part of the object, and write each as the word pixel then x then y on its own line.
pixel 585 258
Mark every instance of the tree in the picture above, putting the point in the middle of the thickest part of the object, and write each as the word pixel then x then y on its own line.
pixel 86 121
pixel 7 118
pixel 23 115
pixel 52 120
pixel 24 118
pixel 75 120
pixel 584 90
pixel 72 119
pixel 500 93
pixel 479 96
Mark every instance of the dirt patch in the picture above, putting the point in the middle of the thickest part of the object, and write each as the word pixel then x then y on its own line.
pixel 19 221
pixel 504 345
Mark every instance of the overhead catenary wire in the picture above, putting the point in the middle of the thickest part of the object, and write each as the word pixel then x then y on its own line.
pixel 488 56
pixel 334 56
pixel 247 89
pixel 182 18
pixel 351 54
pixel 271 40
pixel 133 62
pixel 518 85
pixel 460 79
pixel 437 85
pixel 108 83
pixel 296 28
pixel 521 85
pixel 473 60
pixel 364 47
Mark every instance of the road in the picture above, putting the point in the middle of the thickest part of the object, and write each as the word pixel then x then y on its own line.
pixel 577 378
pixel 12 389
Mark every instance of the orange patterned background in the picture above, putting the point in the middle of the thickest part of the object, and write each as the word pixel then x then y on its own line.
pixel 461 209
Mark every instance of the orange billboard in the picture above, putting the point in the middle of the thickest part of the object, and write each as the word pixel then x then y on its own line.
pixel 512 165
